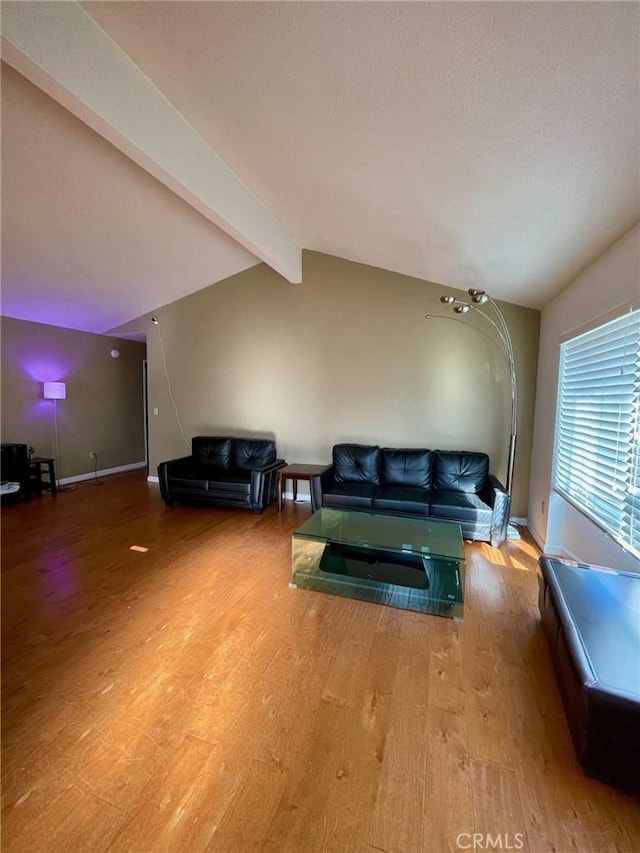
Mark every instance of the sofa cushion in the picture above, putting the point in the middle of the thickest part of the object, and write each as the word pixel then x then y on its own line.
pixel 402 467
pixel 460 471
pixel 193 477
pixel 233 480
pixel 460 506
pixel 402 499
pixel 356 463
pixel 250 453
pixel 350 495
pixel 211 451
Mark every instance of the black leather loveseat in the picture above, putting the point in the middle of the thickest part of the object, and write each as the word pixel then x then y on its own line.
pixel 590 619
pixel 223 471
pixel 446 485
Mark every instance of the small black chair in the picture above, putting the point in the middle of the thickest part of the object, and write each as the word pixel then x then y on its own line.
pixel 14 468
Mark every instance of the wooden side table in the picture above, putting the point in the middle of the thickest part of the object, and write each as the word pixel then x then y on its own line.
pixel 295 472
pixel 36 466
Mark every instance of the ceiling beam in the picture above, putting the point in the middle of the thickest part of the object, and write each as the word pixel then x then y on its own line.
pixel 61 49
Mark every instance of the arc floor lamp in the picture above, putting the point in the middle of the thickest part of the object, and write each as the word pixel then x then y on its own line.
pixel 479 298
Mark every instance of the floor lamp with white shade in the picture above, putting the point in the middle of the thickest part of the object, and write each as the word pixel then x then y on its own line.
pixel 56 391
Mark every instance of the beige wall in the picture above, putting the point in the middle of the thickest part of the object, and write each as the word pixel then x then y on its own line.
pixel 104 406
pixel 345 356
pixel 603 291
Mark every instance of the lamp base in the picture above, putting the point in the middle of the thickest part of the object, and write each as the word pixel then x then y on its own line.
pixel 513 532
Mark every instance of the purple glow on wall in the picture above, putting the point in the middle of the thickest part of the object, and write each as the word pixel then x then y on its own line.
pixel 42 410
pixel 40 368
pixel 44 368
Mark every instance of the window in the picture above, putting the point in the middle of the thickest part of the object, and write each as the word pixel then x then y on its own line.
pixel 597 458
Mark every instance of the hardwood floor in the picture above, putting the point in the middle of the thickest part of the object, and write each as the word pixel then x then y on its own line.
pixel 186 699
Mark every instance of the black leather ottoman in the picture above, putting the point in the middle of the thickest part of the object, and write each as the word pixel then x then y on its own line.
pixel 591 618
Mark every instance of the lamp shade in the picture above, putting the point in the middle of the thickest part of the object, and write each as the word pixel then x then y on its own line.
pixel 55 390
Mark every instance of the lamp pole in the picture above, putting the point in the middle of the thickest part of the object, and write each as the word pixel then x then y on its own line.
pixel 478 298
pixel 56 391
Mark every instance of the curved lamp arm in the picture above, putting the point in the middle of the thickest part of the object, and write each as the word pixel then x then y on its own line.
pixel 512 364
pixel 473 326
pixel 479 298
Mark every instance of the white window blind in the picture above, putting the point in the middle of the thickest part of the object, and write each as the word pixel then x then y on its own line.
pixel 597 459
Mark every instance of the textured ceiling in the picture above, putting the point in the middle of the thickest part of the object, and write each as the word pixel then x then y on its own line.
pixel 470 144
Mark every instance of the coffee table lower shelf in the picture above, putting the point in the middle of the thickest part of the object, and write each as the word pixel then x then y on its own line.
pixel 438 590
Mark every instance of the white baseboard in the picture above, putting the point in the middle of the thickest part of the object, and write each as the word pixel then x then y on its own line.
pixel 105 472
pixel 521 522
pixel 303 497
pixel 537 537
pixel 153 479
pixel 566 554
pixel 554 550
pixel 549 547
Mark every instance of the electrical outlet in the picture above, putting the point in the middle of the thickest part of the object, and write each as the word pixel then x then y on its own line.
pixel 93 454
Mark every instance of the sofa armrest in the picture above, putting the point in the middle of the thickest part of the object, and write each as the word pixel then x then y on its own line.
pixel 318 485
pixel 170 469
pixel 496 496
pixel 263 484
pixel 270 466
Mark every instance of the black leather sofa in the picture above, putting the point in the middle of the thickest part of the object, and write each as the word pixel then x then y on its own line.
pixel 591 622
pixel 223 471
pixel 446 485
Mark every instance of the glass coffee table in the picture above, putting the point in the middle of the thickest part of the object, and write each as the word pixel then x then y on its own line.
pixel 410 563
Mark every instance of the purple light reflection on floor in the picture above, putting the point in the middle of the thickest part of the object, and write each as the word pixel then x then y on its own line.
pixel 59 575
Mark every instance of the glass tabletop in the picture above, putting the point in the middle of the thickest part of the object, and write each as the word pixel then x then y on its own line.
pixel 426 537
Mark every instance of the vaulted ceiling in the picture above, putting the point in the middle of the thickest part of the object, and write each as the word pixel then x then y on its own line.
pixel 152 149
